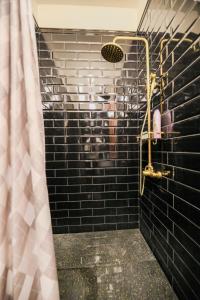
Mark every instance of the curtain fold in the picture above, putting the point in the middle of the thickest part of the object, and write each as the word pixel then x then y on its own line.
pixel 27 260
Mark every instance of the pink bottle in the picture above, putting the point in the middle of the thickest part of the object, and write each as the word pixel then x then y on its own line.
pixel 157 124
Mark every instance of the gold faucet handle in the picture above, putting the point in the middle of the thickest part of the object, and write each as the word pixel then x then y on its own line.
pixel 165 173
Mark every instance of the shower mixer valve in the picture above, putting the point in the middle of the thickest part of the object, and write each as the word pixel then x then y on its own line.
pixel 150 172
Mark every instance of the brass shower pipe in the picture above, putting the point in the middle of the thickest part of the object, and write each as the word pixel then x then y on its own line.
pixel 144 40
pixel 150 84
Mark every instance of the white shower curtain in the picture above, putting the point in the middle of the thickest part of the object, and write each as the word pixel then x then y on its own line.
pixel 27 261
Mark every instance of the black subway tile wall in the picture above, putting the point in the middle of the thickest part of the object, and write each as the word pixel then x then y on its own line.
pixel 91 123
pixel 170 207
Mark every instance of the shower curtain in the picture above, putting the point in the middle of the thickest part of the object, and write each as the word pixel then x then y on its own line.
pixel 27 261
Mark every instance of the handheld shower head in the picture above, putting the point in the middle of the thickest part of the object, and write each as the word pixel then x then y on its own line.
pixel 112 52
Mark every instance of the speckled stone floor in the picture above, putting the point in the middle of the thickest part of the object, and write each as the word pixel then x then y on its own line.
pixel 115 265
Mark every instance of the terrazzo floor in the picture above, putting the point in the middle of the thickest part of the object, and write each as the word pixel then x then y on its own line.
pixel 115 265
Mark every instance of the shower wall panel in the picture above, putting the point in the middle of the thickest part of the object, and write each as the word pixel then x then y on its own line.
pixel 170 207
pixel 91 122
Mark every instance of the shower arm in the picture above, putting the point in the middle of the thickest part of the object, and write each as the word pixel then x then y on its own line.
pixel 149 169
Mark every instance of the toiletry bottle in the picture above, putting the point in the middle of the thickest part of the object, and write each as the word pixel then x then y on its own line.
pixel 157 124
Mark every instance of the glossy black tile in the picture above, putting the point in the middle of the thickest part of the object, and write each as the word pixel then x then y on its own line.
pixel 185 160
pixel 145 210
pixel 159 225
pixel 51 189
pixel 116 171
pixel 80 196
pixel 157 202
pixel 78 164
pixel 187 127
pixel 185 192
pixel 60 229
pixel 187 210
pixel 187 177
pixel 67 205
pixel 67 173
pixel 188 75
pixel 54 131
pixel 104 211
pixel 188 92
pixel 92 204
pixel 116 219
pixel 92 172
pixel 80 212
pixel 187 144
pixel 187 274
pixel 127 210
pixel 146 223
pixel 181 282
pixel 186 256
pixel 124 226
pixel 132 194
pixel 133 218
pixel 163 242
pixel 107 179
pixel 104 227
pixel 104 195
pixel 161 193
pixel 147 202
pixel 185 224
pixel 116 187
pixel 79 180
pixel 67 189
pixel 92 220
pixel 68 221
pixel 53 115
pixel 116 203
pixel 92 188
pixel 159 250
pixel 49 156
pixel 165 220
pixel 59 214
pixel 191 247
pixel 189 109
pixel 56 181
pixel 56 165
pixel 80 228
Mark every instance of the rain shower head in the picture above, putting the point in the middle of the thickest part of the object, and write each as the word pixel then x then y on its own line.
pixel 112 52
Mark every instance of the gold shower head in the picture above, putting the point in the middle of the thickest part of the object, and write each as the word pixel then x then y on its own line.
pixel 112 52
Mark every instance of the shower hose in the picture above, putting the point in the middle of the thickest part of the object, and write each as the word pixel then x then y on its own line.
pixel 142 177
